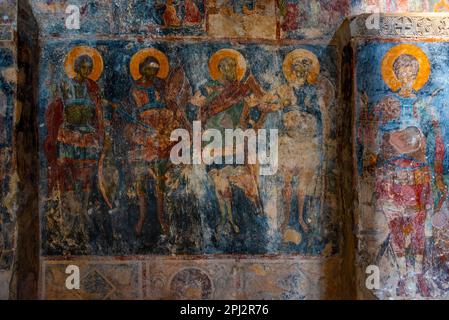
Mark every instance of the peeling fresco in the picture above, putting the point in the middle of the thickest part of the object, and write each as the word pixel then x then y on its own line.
pixel 107 189
pixel 7 214
pixel 8 178
pixel 250 19
pixel 97 118
pixel 125 197
pixel 311 19
pixel 398 6
pixel 402 166
pixel 176 17
pixel 8 10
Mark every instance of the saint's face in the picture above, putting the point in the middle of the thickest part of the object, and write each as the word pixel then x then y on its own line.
pixel 84 69
pixel 301 68
pixel 149 70
pixel 228 69
pixel 406 72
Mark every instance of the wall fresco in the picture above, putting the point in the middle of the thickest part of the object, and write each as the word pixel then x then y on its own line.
pixel 127 197
pixel 402 166
pixel 251 19
pixel 7 212
pixel 6 114
pixel 8 82
pixel 398 6
pixel 111 200
pixel 173 17
pixel 96 17
pixel 163 277
pixel 311 19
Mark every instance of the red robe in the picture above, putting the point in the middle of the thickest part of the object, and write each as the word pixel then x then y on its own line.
pixel 231 94
pixel 193 14
pixel 170 16
pixel 54 118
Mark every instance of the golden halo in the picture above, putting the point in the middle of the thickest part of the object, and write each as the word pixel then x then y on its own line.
pixel 390 57
pixel 97 60
pixel 301 53
pixel 225 53
pixel 141 55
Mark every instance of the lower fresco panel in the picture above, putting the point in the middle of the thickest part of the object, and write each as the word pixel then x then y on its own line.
pixel 161 277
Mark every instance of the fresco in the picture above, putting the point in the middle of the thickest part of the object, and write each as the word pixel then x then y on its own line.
pixel 399 6
pixel 441 6
pixel 169 277
pixel 402 166
pixel 139 225
pixel 96 17
pixel 165 17
pixel 311 19
pixel 7 8
pixel 7 214
pixel 106 113
pixel 248 18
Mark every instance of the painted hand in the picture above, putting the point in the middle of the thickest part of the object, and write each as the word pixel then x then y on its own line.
pixel 252 101
pixel 198 99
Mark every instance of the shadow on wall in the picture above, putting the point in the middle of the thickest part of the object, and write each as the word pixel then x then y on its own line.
pixel 24 284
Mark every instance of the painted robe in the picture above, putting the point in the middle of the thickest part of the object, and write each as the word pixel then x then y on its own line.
pixel 75 132
pixel 192 13
pixel 225 107
pixel 403 172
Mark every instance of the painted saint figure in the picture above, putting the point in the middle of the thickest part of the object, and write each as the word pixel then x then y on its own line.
pixel 75 135
pixel 150 149
pixel 406 149
pixel 223 106
pixel 306 126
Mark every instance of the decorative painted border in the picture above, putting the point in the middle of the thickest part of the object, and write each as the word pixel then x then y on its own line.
pixel 426 25
pixel 224 277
